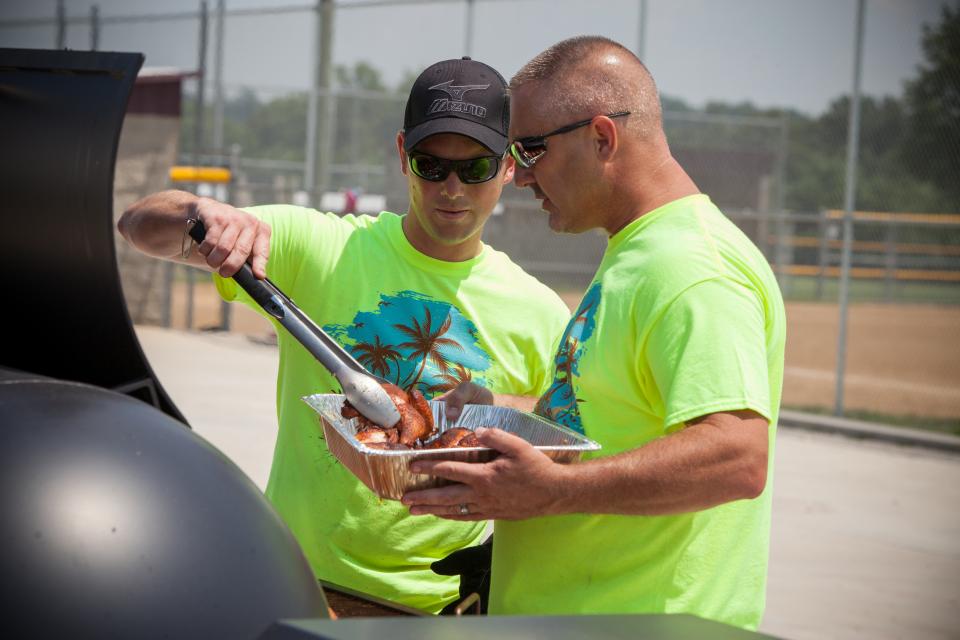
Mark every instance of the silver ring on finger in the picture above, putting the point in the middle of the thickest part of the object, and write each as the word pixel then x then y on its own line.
pixel 464 509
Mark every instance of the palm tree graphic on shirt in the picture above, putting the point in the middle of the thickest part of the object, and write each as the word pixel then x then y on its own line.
pixel 560 402
pixel 415 341
pixel 377 356
pixel 453 377
pixel 426 343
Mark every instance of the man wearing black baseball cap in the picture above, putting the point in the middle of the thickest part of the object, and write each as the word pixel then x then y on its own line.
pixel 419 299
pixel 455 122
pixel 459 96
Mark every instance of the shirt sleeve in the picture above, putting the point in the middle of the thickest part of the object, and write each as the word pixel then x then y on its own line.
pixel 707 352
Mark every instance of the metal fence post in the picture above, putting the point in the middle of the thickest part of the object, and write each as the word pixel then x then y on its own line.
pixel 849 202
pixel 94 27
pixel 310 150
pixel 61 40
pixel 642 29
pixel 325 100
pixel 783 252
pixel 890 261
pixel 218 80
pixel 166 316
pixel 198 132
pixel 823 258
pixel 225 308
pixel 764 207
pixel 781 166
pixel 468 29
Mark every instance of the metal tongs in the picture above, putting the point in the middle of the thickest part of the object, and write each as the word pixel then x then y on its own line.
pixel 362 389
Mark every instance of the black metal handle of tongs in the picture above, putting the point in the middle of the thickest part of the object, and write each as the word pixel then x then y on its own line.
pixel 288 314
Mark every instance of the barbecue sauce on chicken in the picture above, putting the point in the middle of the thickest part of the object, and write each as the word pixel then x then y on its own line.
pixel 414 429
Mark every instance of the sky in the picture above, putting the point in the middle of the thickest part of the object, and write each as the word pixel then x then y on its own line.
pixel 772 53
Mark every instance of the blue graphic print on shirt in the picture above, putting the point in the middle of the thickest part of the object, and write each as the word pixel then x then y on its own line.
pixel 559 403
pixel 414 340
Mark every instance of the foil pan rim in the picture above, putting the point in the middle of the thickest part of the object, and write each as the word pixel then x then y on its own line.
pixel 582 443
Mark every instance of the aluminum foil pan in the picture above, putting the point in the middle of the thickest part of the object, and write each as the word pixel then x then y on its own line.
pixel 387 472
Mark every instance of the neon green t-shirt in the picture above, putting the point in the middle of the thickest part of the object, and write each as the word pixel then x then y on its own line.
pixel 683 318
pixel 411 319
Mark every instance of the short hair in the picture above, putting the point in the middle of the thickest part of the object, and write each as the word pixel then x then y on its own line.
pixel 578 81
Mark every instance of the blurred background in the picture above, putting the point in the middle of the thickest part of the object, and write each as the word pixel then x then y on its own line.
pixel 302 102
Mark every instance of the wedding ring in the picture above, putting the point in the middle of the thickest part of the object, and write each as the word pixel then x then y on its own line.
pixel 464 509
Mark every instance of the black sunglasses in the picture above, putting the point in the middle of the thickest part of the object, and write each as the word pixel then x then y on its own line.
pixel 470 171
pixel 526 151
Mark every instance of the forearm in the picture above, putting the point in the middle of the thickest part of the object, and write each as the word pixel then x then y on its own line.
pixel 520 403
pixel 718 460
pixel 472 393
pixel 155 224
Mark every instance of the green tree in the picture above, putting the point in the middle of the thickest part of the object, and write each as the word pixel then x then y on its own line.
pixel 406 83
pixel 816 166
pixel 361 76
pixel 369 116
pixel 933 104
pixel 277 129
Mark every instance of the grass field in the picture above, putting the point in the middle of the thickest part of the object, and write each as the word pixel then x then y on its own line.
pixel 938 425
pixel 801 288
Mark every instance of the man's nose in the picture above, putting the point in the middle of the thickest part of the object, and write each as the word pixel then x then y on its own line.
pixel 452 186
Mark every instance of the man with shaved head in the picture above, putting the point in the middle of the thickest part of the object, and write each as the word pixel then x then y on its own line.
pixel 673 362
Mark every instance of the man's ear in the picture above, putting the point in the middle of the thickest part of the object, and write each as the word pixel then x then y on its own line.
pixel 403 154
pixel 511 167
pixel 605 137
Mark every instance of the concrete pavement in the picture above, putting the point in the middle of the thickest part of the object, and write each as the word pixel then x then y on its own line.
pixel 224 384
pixel 865 540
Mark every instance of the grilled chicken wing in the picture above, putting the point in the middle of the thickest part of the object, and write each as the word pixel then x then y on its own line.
pixel 416 420
pixel 454 437
pixel 372 435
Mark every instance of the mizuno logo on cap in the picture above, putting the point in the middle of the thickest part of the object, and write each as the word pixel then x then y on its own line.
pixel 456 92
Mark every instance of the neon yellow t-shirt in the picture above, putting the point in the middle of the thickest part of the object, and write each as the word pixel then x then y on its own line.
pixel 683 318
pixel 361 280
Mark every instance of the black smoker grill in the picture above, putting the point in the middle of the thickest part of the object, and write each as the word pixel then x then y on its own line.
pixel 65 317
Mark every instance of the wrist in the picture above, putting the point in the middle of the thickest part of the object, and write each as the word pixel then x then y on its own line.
pixel 193 207
pixel 563 491
pixel 187 243
pixel 520 403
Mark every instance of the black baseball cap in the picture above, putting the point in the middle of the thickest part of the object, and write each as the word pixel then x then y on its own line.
pixel 459 96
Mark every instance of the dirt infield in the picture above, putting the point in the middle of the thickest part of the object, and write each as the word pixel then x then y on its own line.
pixel 901 359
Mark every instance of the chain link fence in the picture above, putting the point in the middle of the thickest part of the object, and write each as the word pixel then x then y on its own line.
pixel 740 161
pixel 777 173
